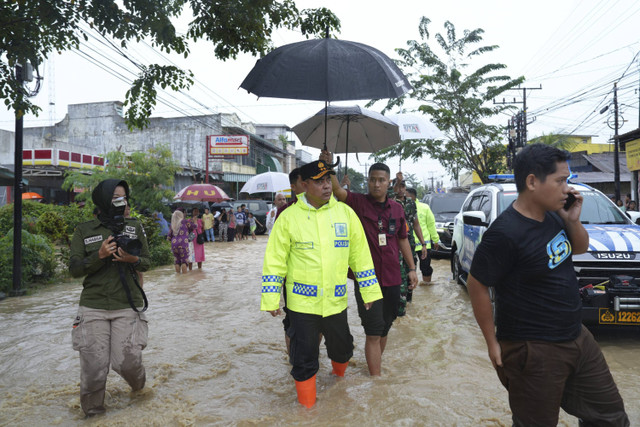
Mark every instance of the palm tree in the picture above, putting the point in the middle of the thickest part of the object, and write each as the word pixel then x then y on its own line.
pixel 563 142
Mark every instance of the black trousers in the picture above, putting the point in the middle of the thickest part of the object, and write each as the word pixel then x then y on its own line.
pixel 425 264
pixel 305 330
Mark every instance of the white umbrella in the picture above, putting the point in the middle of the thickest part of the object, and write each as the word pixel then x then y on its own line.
pixel 268 182
pixel 414 126
pixel 344 128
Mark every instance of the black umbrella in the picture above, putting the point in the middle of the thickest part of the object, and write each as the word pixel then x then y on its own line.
pixel 326 70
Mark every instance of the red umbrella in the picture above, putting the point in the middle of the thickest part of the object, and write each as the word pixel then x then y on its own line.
pixel 31 196
pixel 202 192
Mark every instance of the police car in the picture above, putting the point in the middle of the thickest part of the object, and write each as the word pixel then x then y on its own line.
pixel 608 273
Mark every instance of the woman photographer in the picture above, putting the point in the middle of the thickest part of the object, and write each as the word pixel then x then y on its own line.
pixel 108 329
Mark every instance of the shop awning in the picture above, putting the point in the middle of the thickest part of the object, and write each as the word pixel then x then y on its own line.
pixel 236 177
pixel 270 164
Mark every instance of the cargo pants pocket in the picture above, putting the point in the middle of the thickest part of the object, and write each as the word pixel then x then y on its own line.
pixel 141 331
pixel 78 340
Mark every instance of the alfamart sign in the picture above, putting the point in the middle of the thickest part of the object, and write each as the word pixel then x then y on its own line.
pixel 228 145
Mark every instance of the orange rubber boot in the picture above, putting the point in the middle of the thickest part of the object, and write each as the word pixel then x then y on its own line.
pixel 339 368
pixel 307 392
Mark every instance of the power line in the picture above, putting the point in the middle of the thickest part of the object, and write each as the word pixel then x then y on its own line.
pixel 130 59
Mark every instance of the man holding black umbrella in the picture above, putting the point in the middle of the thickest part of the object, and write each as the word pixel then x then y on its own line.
pixel 384 224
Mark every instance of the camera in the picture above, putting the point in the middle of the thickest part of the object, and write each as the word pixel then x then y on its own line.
pixel 115 222
pixel 129 245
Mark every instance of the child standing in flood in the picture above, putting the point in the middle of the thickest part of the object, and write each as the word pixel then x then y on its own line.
pixel 252 225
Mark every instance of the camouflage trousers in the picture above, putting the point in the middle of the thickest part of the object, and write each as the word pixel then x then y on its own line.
pixel 404 287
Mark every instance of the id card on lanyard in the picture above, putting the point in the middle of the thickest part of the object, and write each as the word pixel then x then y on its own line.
pixel 382 236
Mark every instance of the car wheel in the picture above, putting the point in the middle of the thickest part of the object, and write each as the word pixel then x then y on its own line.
pixel 261 230
pixel 456 269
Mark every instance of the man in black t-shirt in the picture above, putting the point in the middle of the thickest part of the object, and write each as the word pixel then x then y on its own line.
pixel 543 355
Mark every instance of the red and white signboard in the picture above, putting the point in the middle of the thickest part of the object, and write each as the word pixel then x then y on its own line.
pixel 56 157
pixel 228 145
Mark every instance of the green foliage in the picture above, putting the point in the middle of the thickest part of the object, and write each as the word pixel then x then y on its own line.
pixel 358 181
pixel 34 29
pixel 38 259
pixel 74 215
pixel 457 99
pixel 161 254
pixel 141 98
pixel 149 175
pixel 495 161
pixel 159 246
pixel 52 225
pixel 42 218
pixel 236 26
pixel 411 180
pixel 6 219
pixel 563 142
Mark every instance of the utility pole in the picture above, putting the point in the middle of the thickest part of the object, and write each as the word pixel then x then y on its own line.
pixel 17 196
pixel 523 139
pixel 432 178
pixel 24 73
pixel 634 175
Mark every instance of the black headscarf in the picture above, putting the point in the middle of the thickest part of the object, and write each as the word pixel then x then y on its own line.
pixel 103 193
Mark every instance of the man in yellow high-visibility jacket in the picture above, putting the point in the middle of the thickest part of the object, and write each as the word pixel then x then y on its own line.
pixel 312 244
pixel 428 223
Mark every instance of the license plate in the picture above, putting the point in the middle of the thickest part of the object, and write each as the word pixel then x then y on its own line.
pixel 609 317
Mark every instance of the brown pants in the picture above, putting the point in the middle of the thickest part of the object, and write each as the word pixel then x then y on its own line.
pixel 103 338
pixel 542 377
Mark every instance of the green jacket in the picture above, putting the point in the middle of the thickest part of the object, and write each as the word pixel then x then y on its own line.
pixel 428 224
pixel 102 287
pixel 313 249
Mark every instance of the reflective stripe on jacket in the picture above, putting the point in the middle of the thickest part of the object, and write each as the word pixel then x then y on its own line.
pixel 428 224
pixel 312 249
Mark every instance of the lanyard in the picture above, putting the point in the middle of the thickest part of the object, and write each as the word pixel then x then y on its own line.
pixel 391 227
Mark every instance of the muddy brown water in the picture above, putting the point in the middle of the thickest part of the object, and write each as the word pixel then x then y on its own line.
pixel 215 359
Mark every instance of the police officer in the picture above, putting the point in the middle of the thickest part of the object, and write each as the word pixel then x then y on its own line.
pixel 107 330
pixel 312 244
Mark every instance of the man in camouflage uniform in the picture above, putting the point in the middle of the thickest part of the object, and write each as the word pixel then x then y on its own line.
pixel 411 217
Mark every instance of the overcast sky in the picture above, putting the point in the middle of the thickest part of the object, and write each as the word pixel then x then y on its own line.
pixel 574 49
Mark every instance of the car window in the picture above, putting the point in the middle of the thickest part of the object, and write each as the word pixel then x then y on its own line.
pixel 466 205
pixel 253 206
pixel 598 209
pixel 474 204
pixel 505 198
pixel 446 204
pixel 484 205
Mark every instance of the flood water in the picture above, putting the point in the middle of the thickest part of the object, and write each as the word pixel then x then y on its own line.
pixel 214 359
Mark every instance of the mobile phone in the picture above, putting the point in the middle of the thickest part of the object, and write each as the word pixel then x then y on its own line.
pixel 570 200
